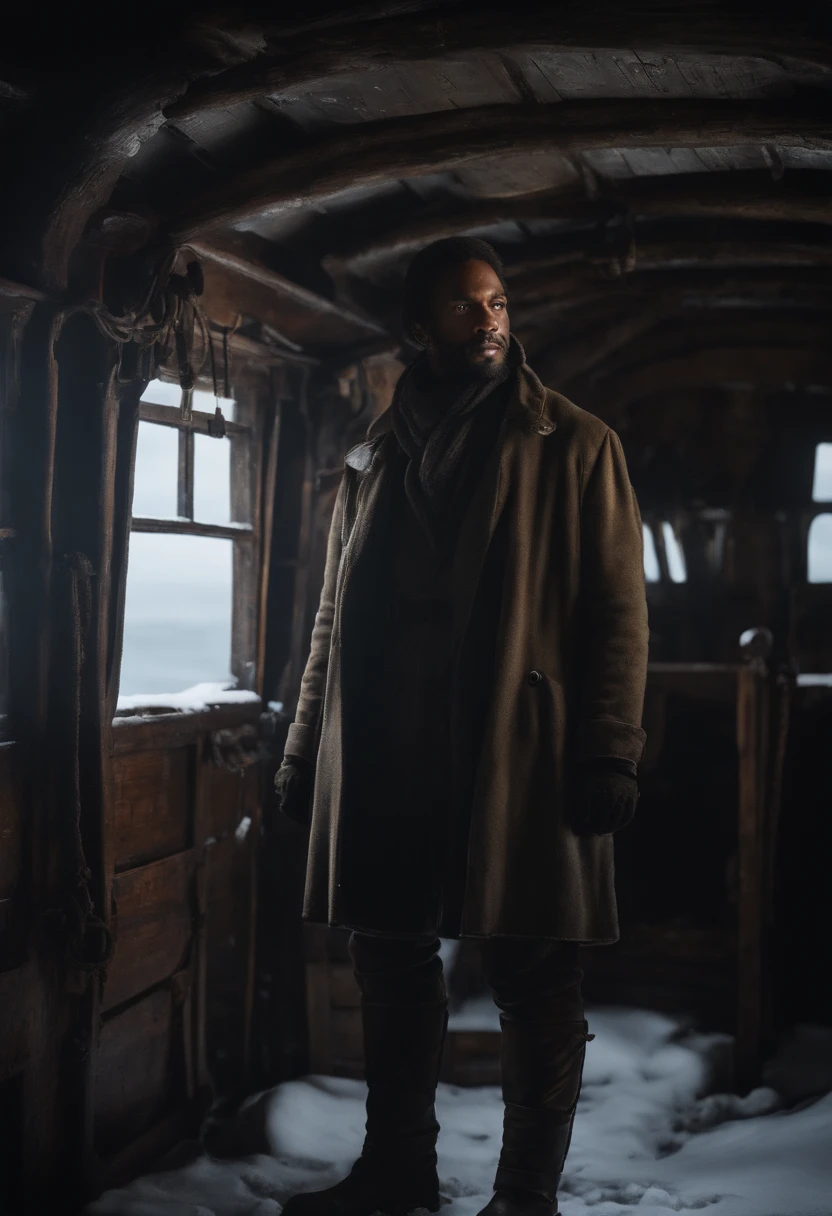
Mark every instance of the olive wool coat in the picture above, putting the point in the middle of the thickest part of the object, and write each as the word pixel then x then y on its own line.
pixel 549 665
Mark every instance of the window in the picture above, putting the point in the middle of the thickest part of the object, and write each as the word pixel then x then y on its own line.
pixel 663 555
pixel 819 546
pixel 820 549
pixel 822 484
pixel 192 531
pixel 652 573
pixel 675 557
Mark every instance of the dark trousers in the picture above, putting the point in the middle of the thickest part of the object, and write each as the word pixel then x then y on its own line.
pixel 536 985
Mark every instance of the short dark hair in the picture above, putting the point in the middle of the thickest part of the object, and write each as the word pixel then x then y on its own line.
pixel 432 261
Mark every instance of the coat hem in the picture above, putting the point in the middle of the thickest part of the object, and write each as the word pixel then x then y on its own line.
pixel 428 932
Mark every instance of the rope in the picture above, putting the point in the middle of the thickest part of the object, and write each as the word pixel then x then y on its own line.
pixel 87 944
pixel 162 323
pixel 165 320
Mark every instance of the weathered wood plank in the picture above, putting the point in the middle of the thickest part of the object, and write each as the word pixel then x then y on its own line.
pixel 227 794
pixel 153 926
pixel 229 940
pixel 742 195
pixel 159 729
pixel 16 1020
pixel 132 1075
pixel 370 153
pixel 307 57
pixel 344 992
pixel 139 1155
pixel 10 821
pixel 187 527
pixel 752 736
pixel 300 297
pixel 152 811
pixel 318 1015
pixel 346 1035
pixel 771 366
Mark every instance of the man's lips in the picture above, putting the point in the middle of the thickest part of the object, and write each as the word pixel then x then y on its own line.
pixel 487 347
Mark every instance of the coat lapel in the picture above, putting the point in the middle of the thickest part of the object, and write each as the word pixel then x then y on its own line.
pixel 525 415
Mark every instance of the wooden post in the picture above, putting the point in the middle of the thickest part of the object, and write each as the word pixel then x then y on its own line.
pixel 752 729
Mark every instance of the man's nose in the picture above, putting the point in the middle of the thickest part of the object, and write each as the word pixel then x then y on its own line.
pixel 486 322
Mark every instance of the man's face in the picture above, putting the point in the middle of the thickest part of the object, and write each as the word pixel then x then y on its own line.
pixel 467 331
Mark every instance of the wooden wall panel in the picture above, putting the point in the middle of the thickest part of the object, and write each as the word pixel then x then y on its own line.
pixel 133 1074
pixel 225 795
pixel 153 800
pixel 9 821
pixel 16 1021
pixel 229 958
pixel 154 925
pixel 10 856
pixel 810 613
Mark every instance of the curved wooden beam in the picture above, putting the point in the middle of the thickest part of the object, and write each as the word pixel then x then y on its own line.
pixel 576 285
pixel 709 365
pixel 534 275
pixel 654 326
pixel 696 27
pixel 805 197
pixel 293 293
pixel 368 154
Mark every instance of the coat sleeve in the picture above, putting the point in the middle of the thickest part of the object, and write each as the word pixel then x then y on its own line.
pixel 613 607
pixel 302 736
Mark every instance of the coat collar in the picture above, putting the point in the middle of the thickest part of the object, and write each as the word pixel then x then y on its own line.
pixel 531 408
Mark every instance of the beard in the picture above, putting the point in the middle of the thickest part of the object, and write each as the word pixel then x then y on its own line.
pixel 461 362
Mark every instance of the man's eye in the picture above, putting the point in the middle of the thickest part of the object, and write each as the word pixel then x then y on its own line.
pixel 499 303
pixel 460 307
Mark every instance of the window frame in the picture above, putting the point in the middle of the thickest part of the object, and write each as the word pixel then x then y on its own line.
pixel 252 397
pixel 808 517
pixel 655 523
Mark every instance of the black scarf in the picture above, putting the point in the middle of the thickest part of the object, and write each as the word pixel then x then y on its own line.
pixel 433 420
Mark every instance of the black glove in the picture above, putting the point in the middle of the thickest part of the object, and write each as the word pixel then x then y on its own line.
pixel 604 796
pixel 293 783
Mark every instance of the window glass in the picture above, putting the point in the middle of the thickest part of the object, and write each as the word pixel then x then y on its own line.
pixel 675 557
pixel 819 556
pixel 157 467
pixel 160 392
pixel 177 625
pixel 212 480
pixel 822 487
pixel 651 561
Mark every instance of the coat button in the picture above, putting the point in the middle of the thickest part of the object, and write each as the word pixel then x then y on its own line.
pixel 535 677
pixel 546 428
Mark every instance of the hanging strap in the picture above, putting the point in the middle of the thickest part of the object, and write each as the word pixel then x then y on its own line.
pixel 86 943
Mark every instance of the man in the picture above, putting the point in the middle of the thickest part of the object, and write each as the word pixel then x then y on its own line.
pixel 469 719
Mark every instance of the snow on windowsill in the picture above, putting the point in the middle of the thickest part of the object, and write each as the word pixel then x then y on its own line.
pixel 190 701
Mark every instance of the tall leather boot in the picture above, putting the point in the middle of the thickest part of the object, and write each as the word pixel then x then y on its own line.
pixel 396 1172
pixel 542 1058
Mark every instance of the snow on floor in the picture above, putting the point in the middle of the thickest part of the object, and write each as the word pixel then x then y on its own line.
pixel 644 1138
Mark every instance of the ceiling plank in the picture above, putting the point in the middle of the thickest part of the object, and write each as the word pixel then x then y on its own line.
pixel 257 273
pixel 698 26
pixel 804 197
pixel 367 154
pixel 770 366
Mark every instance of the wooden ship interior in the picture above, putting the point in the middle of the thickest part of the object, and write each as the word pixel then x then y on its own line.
pixel 218 206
